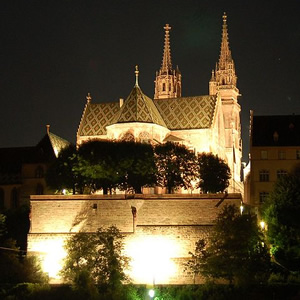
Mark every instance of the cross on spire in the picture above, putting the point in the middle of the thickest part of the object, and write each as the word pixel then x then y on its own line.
pixel 166 66
pixel 136 75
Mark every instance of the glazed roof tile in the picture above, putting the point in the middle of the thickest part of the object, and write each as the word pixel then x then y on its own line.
pixel 187 112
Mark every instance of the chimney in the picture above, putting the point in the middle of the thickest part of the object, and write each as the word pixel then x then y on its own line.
pixel 121 102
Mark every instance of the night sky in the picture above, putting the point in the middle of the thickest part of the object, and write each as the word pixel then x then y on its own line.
pixel 52 53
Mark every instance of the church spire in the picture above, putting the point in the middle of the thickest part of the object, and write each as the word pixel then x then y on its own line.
pixel 166 66
pixel 225 77
pixel 168 81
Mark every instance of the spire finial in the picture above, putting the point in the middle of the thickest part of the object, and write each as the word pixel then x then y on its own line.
pixel 89 97
pixel 136 75
pixel 166 63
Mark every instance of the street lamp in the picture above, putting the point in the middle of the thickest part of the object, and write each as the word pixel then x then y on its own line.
pixel 151 293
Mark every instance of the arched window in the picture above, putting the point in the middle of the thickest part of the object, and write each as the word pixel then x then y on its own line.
pixel 14 199
pixel 39 189
pixel 128 136
pixel 164 87
pixel 144 137
pixel 1 199
pixel 39 172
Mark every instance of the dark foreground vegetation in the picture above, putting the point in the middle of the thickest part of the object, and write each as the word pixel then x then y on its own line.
pixel 286 291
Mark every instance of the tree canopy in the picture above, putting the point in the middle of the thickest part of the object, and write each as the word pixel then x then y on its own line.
pixel 176 166
pixel 234 251
pixel 97 257
pixel 214 173
pixel 281 213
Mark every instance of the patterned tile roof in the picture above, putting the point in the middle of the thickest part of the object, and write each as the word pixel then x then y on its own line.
pixel 139 108
pixel 57 142
pixel 96 117
pixel 187 112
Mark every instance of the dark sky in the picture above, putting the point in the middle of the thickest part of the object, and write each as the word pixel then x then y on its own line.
pixel 53 52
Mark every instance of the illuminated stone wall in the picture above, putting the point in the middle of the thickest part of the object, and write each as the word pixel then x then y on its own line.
pixel 158 240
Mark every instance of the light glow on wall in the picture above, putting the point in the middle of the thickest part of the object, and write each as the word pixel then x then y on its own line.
pixel 151 259
pixel 51 254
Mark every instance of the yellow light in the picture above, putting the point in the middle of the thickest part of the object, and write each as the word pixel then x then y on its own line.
pixel 262 225
pixel 241 209
pixel 151 259
pixel 51 254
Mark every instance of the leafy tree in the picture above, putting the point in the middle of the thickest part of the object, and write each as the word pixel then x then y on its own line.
pixel 96 258
pixel 214 173
pixel 176 166
pixel 111 164
pixel 281 213
pixel 98 164
pixel 137 165
pixel 234 251
pixel 15 267
pixel 62 174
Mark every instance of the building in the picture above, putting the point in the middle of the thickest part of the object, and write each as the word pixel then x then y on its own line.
pixel 209 123
pixel 274 151
pixel 22 170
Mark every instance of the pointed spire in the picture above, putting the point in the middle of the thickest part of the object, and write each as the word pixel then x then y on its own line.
pixel 136 75
pixel 225 54
pixel 166 66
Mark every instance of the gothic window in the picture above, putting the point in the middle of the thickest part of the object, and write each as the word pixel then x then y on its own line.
pixel 164 87
pixel 281 173
pixel 144 137
pixel 297 154
pixel 263 196
pixel 14 198
pixel 263 175
pixel 39 189
pixel 281 154
pixel 170 87
pixel 1 199
pixel 263 154
pixel 39 172
pixel 128 136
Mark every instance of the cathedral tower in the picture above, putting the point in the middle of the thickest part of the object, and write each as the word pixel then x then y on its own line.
pixel 168 81
pixel 223 82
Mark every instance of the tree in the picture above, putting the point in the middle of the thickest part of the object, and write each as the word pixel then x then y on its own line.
pixel 138 166
pixel 281 213
pixel 214 173
pixel 62 174
pixel 14 266
pixel 176 166
pixel 235 250
pixel 96 258
pixel 123 164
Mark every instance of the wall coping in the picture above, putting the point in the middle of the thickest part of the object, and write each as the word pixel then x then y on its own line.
pixel 219 196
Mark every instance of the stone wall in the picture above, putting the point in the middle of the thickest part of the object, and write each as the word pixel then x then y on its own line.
pixel 163 225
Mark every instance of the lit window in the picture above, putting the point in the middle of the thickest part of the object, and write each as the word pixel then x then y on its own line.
pixel 264 154
pixel 281 155
pixel 297 154
pixel 264 175
pixel 263 196
pixel 281 173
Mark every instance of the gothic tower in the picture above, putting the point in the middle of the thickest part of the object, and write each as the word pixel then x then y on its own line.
pixel 223 82
pixel 168 81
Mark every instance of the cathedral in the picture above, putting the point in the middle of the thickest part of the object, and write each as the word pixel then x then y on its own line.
pixel 207 123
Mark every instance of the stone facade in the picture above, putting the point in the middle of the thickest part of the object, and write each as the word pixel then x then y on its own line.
pixel 163 231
